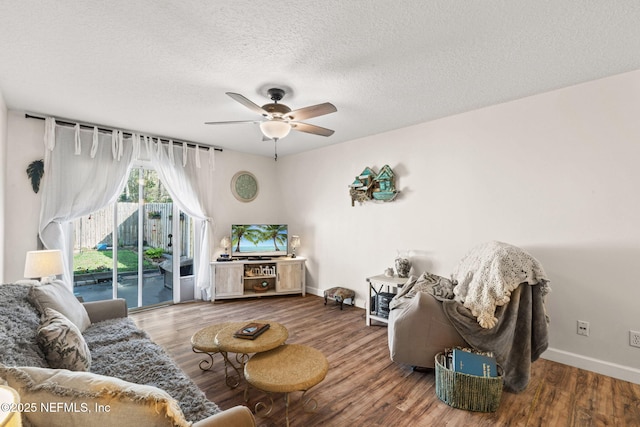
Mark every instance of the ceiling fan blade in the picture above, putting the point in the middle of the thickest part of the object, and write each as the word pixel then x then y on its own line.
pixel 312 111
pixel 316 130
pixel 249 104
pixel 233 122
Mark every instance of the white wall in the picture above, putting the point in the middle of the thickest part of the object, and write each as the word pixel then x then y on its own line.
pixel 25 145
pixel 555 174
pixel 3 170
pixel 265 208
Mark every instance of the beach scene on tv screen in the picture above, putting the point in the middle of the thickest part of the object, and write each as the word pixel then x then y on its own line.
pixel 259 238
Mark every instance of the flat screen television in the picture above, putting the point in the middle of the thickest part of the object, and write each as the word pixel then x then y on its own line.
pixel 259 240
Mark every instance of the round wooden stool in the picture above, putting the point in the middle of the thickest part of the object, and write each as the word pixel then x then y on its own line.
pixel 288 368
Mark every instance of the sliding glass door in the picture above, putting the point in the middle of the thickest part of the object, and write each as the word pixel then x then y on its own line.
pixel 126 250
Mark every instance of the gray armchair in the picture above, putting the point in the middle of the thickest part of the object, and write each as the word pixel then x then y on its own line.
pixel 495 304
pixel 419 331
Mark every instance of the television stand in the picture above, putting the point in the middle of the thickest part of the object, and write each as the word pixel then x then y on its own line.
pixel 257 277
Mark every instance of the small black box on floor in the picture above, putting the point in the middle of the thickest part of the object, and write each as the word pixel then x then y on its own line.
pixel 382 304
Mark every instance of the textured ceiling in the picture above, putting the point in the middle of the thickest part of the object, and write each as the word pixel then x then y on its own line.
pixel 163 68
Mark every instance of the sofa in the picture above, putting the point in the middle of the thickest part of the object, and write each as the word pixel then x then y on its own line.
pixel 79 364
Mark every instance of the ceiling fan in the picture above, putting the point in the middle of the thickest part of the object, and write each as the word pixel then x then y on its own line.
pixel 279 119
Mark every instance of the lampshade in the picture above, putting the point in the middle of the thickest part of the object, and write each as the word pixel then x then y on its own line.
pixel 9 398
pixel 225 242
pixel 275 128
pixel 43 264
pixel 295 242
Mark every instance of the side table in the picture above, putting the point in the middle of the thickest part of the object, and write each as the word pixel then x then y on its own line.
pixel 376 285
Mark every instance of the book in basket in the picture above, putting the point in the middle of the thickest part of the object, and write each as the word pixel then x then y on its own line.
pixel 474 363
pixel 251 331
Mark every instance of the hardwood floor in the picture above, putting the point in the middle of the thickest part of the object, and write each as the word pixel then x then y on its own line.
pixel 365 388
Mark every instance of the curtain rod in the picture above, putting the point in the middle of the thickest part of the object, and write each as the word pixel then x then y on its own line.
pixel 103 129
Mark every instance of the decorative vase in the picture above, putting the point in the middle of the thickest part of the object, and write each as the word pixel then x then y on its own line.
pixel 402 267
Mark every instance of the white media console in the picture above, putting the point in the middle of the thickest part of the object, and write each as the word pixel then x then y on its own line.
pixel 257 278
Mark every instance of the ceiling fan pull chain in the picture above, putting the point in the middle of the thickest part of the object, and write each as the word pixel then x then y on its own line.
pixel 275 149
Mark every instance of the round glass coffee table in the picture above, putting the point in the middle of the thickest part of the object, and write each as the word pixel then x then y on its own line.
pixel 273 337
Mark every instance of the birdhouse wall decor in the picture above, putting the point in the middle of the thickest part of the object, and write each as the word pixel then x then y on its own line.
pixel 372 186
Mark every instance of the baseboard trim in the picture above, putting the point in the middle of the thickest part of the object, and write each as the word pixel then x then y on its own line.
pixel 603 367
pixel 314 291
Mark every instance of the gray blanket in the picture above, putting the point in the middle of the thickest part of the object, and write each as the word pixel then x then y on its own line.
pixel 518 339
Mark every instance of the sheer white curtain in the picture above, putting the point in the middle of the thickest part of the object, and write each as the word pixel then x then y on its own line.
pixel 186 173
pixel 84 171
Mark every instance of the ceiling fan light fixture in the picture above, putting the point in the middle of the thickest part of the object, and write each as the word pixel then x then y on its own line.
pixel 275 129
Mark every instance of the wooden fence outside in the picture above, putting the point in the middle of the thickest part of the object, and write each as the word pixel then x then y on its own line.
pixel 97 228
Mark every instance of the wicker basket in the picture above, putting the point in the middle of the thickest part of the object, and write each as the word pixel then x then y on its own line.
pixel 260 288
pixel 464 391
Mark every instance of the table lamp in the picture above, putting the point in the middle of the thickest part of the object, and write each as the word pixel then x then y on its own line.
pixel 225 243
pixel 43 265
pixel 9 399
pixel 295 244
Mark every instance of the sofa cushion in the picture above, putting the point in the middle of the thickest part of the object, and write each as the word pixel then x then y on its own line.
pixel 58 296
pixel 62 343
pixel 112 331
pixel 120 349
pixel 85 399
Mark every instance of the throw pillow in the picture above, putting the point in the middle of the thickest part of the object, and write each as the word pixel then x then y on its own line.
pixel 62 343
pixel 66 398
pixel 440 287
pixel 58 296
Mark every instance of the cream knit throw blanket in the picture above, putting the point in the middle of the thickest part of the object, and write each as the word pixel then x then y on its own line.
pixel 488 274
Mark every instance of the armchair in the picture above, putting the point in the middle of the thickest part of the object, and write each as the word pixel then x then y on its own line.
pixel 420 330
pixel 496 304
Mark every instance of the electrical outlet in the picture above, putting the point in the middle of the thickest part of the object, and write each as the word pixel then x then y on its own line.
pixel 583 328
pixel 634 339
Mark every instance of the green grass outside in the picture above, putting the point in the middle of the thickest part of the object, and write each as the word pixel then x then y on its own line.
pixel 93 261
